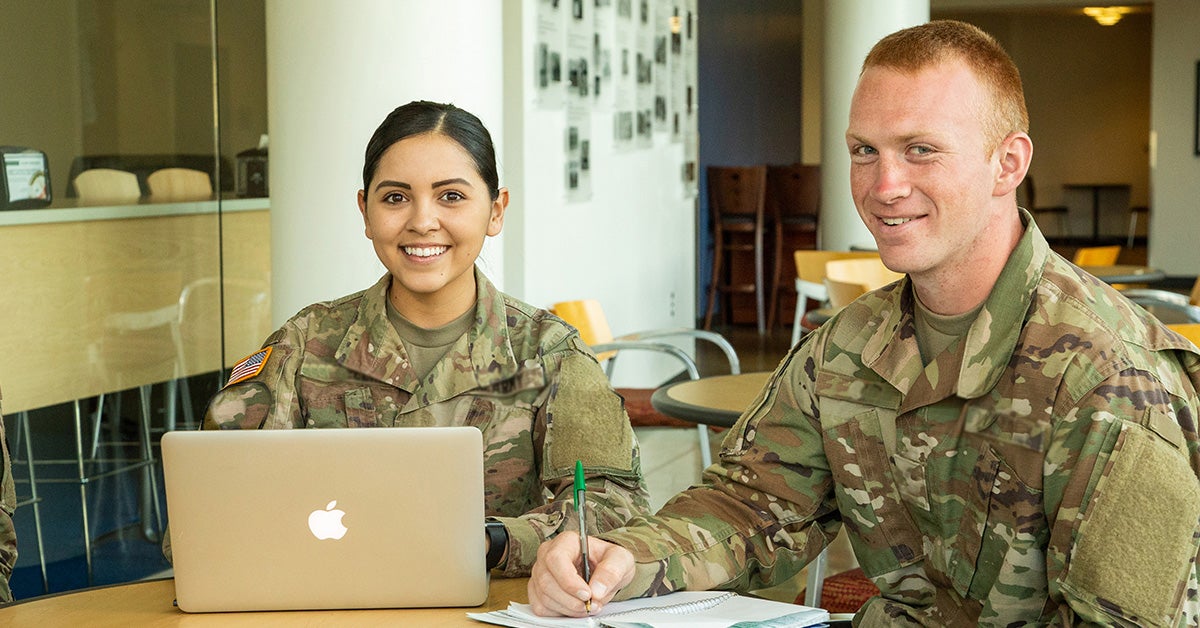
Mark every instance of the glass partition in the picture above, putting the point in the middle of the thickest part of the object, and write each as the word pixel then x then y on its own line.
pixel 135 247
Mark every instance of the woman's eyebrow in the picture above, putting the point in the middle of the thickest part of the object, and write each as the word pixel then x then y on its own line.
pixel 457 180
pixel 392 184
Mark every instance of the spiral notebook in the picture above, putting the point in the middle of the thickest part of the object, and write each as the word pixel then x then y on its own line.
pixel 683 609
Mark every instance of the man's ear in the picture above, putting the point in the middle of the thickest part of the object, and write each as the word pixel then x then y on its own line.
pixel 1013 157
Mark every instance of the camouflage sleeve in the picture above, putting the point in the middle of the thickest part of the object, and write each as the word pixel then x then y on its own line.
pixel 1123 499
pixel 268 398
pixel 8 531
pixel 763 512
pixel 264 400
pixel 584 419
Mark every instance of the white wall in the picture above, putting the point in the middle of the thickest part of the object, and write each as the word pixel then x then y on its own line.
pixel 1175 168
pixel 334 72
pixel 630 246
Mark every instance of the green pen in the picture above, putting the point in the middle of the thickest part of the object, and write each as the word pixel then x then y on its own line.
pixel 580 488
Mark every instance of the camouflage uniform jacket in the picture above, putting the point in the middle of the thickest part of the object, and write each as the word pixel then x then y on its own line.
pixel 8 531
pixel 520 374
pixel 1045 470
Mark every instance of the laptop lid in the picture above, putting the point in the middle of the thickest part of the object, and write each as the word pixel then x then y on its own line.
pixel 326 518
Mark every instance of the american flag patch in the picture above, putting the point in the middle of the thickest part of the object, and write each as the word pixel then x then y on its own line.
pixel 248 366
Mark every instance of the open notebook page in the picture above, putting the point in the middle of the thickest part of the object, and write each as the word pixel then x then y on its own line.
pixel 693 609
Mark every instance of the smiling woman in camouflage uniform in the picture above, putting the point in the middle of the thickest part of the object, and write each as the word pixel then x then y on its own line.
pixel 1005 440
pixel 434 343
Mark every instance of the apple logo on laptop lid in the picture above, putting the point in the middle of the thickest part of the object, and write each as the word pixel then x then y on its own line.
pixel 327 524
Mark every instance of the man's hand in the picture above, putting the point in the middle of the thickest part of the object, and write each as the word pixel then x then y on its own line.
pixel 555 586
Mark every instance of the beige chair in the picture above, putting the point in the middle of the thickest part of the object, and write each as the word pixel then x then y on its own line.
pixel 588 317
pixel 179 184
pixel 810 280
pixel 868 271
pixel 842 293
pixel 106 185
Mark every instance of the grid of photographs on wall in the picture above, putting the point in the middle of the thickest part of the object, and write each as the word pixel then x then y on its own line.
pixel 630 61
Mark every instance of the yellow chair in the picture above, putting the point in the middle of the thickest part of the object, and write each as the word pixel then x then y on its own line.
pixel 1191 331
pixel 1097 255
pixel 810 280
pixel 588 317
pixel 179 184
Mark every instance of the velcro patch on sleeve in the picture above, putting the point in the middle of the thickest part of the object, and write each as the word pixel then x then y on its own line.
pixel 1137 539
pixel 248 366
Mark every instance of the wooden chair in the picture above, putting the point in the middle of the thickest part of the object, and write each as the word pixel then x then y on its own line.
pixel 794 203
pixel 736 202
pixel 810 281
pixel 1096 255
pixel 106 185
pixel 587 316
pixel 1059 212
pixel 179 184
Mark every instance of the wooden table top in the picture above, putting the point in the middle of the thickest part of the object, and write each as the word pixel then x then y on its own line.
pixel 151 603
pixel 718 400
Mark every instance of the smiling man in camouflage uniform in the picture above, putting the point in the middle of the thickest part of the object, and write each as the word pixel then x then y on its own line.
pixel 1006 440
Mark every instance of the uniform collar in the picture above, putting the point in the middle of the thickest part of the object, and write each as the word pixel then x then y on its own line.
pixel 480 358
pixel 892 351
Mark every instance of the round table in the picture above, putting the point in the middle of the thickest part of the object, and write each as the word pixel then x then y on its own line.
pixel 149 603
pixel 717 400
pixel 1125 273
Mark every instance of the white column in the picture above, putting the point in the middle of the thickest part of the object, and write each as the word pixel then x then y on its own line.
pixel 334 70
pixel 851 28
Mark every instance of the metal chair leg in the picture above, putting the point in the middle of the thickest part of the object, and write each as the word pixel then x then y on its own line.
pixel 149 475
pixel 83 482
pixel 816 579
pixel 34 499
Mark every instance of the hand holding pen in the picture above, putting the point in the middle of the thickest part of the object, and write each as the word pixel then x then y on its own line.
pixel 580 506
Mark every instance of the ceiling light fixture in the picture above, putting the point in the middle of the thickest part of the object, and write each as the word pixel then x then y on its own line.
pixel 1106 16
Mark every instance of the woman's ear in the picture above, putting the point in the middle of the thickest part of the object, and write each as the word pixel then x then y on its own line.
pixel 362 209
pixel 496 220
pixel 1013 157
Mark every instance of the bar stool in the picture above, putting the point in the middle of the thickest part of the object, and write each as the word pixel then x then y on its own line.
pixel 1059 212
pixel 736 202
pixel 23 436
pixel 794 200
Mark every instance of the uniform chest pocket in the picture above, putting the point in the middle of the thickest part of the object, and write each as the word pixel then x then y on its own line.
pixel 879 526
pixel 1001 527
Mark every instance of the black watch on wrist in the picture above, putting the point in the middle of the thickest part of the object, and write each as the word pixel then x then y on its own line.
pixel 497 537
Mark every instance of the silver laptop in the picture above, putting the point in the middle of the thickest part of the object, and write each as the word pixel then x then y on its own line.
pixel 326 518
